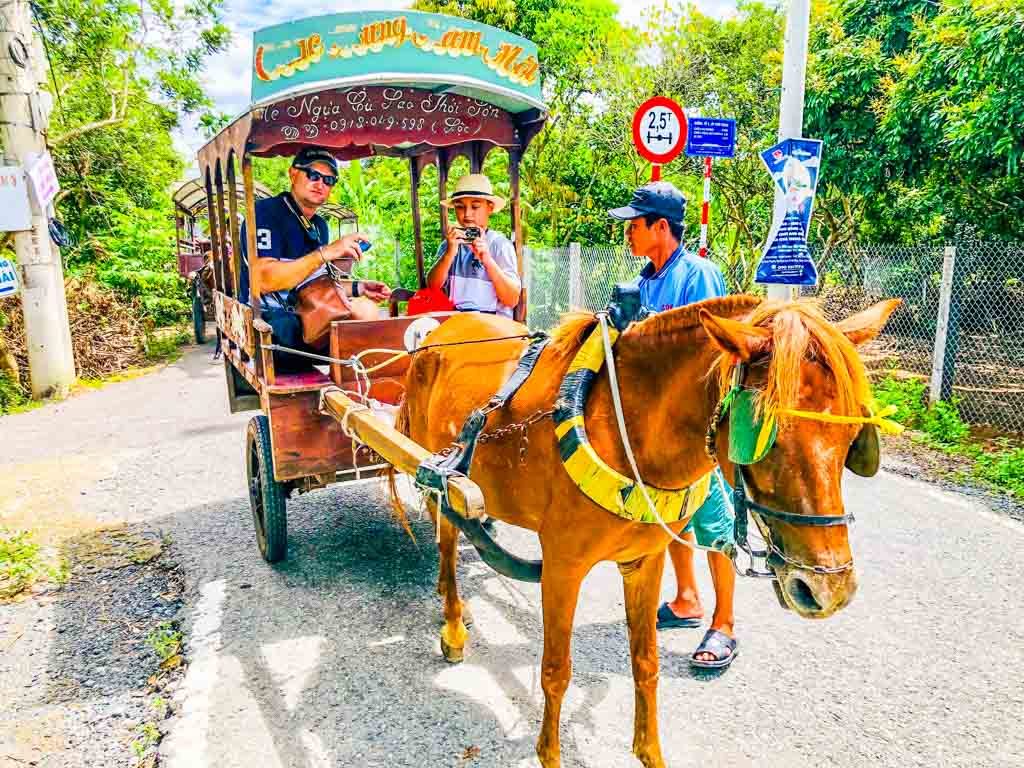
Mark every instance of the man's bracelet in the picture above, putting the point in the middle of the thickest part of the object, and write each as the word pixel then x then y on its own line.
pixel 355 288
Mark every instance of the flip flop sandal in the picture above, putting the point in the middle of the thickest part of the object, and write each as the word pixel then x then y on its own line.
pixel 668 620
pixel 719 645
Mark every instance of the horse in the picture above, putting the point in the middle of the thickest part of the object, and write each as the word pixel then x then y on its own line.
pixel 673 370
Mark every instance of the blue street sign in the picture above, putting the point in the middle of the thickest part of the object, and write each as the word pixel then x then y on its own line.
pixel 794 165
pixel 711 137
pixel 8 278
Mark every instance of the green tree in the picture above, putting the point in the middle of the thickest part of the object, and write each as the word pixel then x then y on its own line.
pixel 123 74
pixel 921 109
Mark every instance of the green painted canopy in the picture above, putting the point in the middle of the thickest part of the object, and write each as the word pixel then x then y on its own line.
pixel 404 48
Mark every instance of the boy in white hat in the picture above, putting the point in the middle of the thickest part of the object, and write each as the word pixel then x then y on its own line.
pixel 478 274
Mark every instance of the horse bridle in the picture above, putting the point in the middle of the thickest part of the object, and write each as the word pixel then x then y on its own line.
pixel 743 505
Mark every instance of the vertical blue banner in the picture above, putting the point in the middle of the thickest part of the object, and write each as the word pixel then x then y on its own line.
pixel 794 166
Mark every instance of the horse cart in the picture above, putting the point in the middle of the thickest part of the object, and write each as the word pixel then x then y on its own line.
pixel 423 87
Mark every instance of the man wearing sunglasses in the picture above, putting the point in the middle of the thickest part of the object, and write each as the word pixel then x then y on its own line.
pixel 293 247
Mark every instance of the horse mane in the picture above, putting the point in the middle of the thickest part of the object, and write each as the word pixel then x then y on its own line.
pixel 574 326
pixel 800 332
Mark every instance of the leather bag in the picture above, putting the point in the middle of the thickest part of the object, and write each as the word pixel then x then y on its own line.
pixel 321 302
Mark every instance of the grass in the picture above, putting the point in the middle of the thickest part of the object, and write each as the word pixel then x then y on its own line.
pixel 164 641
pixel 148 736
pixel 995 464
pixel 22 564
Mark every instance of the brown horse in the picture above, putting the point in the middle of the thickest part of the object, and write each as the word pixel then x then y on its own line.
pixel 671 371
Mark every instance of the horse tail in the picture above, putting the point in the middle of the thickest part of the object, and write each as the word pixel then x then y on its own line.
pixel 397 507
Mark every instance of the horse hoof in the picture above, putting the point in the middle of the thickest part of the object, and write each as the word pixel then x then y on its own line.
pixel 451 654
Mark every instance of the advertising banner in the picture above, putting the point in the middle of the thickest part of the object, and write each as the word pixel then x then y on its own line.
pixel 794 165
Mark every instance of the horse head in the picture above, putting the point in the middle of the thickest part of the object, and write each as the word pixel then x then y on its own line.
pixel 791 373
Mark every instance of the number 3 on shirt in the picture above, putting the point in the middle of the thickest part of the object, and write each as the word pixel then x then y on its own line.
pixel 263 239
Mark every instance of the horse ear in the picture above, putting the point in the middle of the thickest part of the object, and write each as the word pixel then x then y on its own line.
pixel 739 339
pixel 867 324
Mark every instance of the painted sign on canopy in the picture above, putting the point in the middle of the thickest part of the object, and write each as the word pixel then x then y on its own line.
pixel 408 47
pixel 711 137
pixel 8 278
pixel 794 165
pixel 659 130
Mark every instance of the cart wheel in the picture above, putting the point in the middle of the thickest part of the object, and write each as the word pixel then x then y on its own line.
pixel 198 318
pixel 266 495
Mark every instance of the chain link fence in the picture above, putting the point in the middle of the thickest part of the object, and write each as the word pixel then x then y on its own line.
pixel 961 324
pixel 960 327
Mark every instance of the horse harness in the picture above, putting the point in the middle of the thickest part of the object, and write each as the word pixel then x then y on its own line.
pixel 750 439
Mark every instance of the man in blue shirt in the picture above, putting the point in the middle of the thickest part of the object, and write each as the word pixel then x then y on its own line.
pixel 293 247
pixel 671 278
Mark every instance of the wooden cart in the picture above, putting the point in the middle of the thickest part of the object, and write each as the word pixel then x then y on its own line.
pixel 425 87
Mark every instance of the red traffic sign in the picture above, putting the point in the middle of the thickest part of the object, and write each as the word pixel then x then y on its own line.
pixel 659 130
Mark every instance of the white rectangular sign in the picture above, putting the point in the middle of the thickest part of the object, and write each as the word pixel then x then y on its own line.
pixel 43 178
pixel 15 211
pixel 8 278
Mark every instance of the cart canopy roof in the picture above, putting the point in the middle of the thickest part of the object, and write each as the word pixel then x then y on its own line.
pixel 400 83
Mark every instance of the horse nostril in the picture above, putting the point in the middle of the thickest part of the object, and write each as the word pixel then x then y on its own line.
pixel 802 595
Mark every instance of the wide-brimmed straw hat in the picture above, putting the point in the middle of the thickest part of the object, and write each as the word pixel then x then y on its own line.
pixel 475 185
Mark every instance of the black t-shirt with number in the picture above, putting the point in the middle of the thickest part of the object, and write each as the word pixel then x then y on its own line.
pixel 281 234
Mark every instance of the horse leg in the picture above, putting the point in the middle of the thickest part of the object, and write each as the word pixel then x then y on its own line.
pixel 453 633
pixel 560 588
pixel 642 582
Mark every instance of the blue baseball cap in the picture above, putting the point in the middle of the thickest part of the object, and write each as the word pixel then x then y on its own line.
pixel 309 155
pixel 658 197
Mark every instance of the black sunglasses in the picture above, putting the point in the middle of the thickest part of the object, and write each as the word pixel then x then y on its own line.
pixel 315 175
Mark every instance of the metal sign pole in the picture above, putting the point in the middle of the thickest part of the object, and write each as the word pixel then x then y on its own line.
pixel 705 209
pixel 791 107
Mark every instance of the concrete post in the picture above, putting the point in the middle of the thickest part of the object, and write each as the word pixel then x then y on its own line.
pixel 24 115
pixel 942 325
pixel 575 277
pixel 791 105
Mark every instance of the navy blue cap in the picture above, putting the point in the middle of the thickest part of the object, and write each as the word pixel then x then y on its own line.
pixel 309 155
pixel 659 197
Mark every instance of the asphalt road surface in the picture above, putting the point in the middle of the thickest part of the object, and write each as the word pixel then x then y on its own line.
pixel 332 658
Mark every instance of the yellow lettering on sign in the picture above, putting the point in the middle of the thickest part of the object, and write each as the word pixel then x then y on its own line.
pixel 391 32
pixel 460 42
pixel 507 62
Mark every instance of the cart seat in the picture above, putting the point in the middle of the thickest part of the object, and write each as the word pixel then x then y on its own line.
pixel 299 382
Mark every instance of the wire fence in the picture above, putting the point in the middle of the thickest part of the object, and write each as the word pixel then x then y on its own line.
pixel 963 333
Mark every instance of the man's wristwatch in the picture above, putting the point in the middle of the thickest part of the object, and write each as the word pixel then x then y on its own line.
pixel 355 288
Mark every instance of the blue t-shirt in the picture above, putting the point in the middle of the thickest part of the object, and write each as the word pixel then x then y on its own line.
pixel 683 279
pixel 281 234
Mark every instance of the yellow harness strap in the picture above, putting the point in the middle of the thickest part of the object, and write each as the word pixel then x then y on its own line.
pixel 878 419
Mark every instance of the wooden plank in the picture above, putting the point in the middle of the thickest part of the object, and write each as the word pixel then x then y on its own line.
pixel 306 442
pixel 400 451
pixel 350 337
pixel 235 321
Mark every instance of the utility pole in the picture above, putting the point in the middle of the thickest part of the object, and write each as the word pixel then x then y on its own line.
pixel 791 105
pixel 24 116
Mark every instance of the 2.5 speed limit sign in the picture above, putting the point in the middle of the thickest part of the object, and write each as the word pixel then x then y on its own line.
pixel 659 130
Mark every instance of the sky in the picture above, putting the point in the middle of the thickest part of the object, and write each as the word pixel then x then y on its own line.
pixel 227 75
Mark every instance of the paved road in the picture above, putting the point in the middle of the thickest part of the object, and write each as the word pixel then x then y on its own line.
pixel 332 659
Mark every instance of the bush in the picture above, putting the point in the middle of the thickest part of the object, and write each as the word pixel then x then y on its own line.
pixel 137 259
pixel 940 422
pixel 1004 469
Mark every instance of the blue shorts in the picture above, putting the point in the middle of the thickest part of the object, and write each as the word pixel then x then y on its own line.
pixel 712 522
